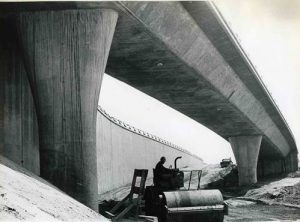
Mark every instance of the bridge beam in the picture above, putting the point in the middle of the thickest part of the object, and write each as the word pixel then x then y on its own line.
pixel 246 150
pixel 65 55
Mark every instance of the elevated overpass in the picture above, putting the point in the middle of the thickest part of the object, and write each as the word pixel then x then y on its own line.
pixel 182 54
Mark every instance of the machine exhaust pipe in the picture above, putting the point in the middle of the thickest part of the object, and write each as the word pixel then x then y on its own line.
pixel 175 161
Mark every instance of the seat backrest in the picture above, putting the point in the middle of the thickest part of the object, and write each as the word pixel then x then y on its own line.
pixel 141 188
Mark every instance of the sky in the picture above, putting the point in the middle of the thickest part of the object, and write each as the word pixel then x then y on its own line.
pixel 269 32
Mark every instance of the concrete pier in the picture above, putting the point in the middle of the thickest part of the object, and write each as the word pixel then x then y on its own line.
pixel 18 123
pixel 246 150
pixel 65 55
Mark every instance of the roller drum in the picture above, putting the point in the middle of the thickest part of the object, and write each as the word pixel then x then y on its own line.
pixel 191 198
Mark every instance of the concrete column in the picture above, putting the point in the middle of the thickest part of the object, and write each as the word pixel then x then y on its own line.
pixel 295 160
pixel 18 123
pixel 246 150
pixel 291 161
pixel 65 55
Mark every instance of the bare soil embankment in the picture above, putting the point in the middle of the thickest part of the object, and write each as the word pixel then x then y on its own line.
pixel 284 191
pixel 26 197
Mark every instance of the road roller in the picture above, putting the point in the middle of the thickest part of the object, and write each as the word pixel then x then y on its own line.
pixel 175 203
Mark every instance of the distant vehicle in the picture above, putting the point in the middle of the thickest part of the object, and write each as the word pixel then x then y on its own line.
pixel 226 162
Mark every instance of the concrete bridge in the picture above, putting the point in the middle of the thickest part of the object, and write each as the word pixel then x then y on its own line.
pixel 182 54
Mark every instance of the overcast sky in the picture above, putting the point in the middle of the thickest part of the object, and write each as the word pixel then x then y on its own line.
pixel 269 33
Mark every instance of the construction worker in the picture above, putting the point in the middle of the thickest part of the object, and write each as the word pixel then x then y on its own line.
pixel 164 176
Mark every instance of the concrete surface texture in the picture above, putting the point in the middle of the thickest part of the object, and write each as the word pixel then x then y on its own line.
pixel 246 150
pixel 65 54
pixel 18 124
pixel 178 53
pixel 120 150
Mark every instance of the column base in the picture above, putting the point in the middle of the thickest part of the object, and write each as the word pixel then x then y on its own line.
pixel 246 150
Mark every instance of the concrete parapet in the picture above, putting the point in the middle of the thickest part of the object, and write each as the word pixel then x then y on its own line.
pixel 144 134
pixel 246 150
pixel 65 55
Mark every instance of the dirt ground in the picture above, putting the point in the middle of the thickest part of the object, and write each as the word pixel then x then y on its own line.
pixel 26 197
pixel 280 191
pixel 23 196
pixel 252 211
pixel 272 199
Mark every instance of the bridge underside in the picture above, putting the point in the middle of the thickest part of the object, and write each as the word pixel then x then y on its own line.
pixel 143 55
pixel 140 60
pixel 178 53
